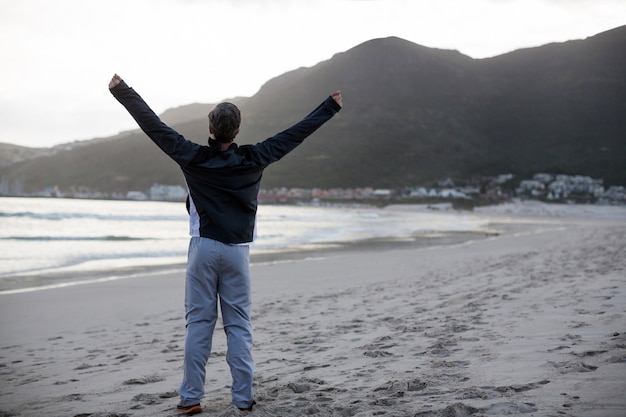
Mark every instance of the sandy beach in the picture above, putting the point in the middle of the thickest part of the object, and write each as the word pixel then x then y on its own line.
pixel 530 321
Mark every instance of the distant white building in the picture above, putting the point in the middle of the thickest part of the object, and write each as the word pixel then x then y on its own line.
pixel 565 185
pixel 502 178
pixel 136 195
pixel 452 193
pixel 381 193
pixel 614 194
pixel 534 187
pixel 418 192
pixel 544 178
pixel 161 192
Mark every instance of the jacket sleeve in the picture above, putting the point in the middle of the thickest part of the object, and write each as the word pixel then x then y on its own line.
pixel 171 142
pixel 279 145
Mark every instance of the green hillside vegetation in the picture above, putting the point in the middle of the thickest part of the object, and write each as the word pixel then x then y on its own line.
pixel 411 115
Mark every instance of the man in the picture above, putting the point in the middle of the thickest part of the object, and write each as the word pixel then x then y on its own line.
pixel 223 180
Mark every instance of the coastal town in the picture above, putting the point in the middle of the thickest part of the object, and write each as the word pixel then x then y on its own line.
pixel 577 189
pixel 484 190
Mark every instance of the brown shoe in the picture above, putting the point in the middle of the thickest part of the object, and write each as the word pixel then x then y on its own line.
pixel 189 410
pixel 249 409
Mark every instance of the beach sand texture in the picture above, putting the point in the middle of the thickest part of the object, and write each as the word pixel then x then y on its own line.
pixel 530 322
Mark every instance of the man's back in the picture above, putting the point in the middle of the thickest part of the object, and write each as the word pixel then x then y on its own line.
pixel 223 184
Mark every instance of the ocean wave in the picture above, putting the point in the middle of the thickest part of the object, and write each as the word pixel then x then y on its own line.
pixel 92 216
pixel 75 238
pixel 84 262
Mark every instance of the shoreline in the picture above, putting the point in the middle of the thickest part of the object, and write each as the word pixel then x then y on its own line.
pixel 49 280
pixel 502 219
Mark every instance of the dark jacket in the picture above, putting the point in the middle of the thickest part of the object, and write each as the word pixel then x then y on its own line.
pixel 223 185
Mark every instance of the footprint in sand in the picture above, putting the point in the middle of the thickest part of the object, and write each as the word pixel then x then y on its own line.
pixel 145 380
pixel 572 366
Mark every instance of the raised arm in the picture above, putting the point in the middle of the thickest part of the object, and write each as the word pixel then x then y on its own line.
pixel 274 148
pixel 166 138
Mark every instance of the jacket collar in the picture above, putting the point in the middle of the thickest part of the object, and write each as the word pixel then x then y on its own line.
pixel 217 145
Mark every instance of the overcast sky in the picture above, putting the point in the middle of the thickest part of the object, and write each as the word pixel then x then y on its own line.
pixel 58 55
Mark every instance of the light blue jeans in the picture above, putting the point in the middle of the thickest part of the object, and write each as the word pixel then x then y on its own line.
pixel 216 270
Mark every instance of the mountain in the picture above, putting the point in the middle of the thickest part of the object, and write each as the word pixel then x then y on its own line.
pixel 10 154
pixel 411 115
